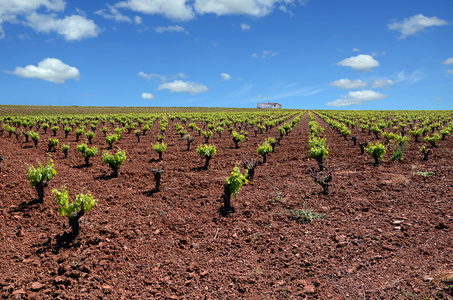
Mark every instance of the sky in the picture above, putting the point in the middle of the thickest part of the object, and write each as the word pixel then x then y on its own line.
pixel 303 54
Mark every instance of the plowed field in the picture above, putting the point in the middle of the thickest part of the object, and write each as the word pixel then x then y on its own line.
pixel 387 231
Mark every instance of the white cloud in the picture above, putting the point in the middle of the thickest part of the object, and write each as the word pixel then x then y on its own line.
pixel 151 76
pixel 349 84
pixel 147 96
pixel 10 10
pixel 112 13
pixel 72 28
pixel 179 86
pixel 245 27
pixel 381 83
pixel 264 54
pixel 355 50
pixel 450 71
pixel 172 9
pixel 256 8
pixel 413 77
pixel 225 76
pixel 357 98
pixel 448 61
pixel 50 69
pixel 415 24
pixel 360 63
pixel 172 28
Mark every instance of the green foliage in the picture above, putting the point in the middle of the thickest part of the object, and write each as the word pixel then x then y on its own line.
pixel 206 150
pixel 118 131
pixel 376 150
pixel 42 173
pixel 67 129
pixel 399 145
pixel 271 140
pixel 445 131
pixel 416 131
pixel 423 148
pixel 304 215
pixel 86 151
pixel 163 123
pixel 317 147
pixel 315 129
pixel 112 138
pixel 264 149
pixel 82 201
pixel 433 139
pixel 345 131
pixel 54 142
pixel 114 160
pixel 236 180
pixel 425 174
pixel 33 135
pixel 219 130
pixel 79 131
pixel 160 147
pixel 90 134
pixel 238 137
pixel 207 135
pixel 65 147
pixel 160 138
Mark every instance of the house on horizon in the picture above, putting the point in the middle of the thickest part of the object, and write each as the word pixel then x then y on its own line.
pixel 269 105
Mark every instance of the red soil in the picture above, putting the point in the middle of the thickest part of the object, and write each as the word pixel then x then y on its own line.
pixel 387 232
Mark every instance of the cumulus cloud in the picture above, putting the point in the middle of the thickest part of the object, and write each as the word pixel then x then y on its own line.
pixel 256 8
pixel 172 9
pixel 112 13
pixel 357 98
pixel 72 28
pixel 179 86
pixel 11 7
pixel 147 96
pixel 448 61
pixel 184 10
pixel 450 71
pixel 225 76
pixel 360 63
pixel 172 28
pixel 245 27
pixel 415 24
pixel 349 84
pixel 355 50
pixel 264 54
pixel 50 69
pixel 381 83
pixel 11 10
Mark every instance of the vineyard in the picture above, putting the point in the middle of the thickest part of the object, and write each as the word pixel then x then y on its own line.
pixel 213 203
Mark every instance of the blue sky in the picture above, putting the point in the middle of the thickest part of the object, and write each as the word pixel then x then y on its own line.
pixel 318 54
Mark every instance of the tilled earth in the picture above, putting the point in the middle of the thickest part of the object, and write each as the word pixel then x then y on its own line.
pixel 386 231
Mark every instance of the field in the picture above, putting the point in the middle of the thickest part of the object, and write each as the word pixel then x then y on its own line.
pixel 381 231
